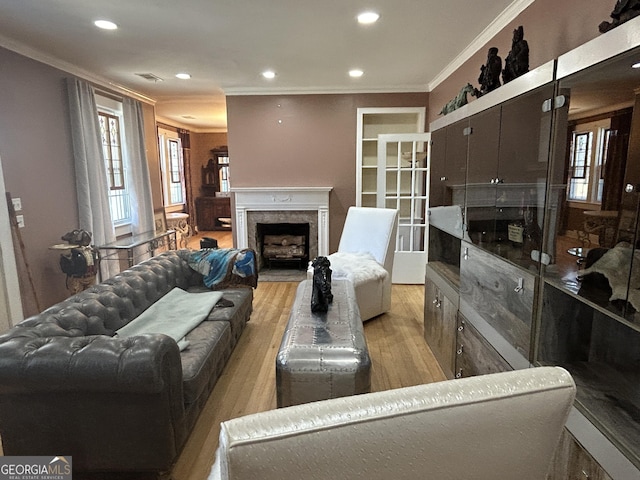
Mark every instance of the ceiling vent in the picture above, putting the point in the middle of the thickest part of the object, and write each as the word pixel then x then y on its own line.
pixel 150 76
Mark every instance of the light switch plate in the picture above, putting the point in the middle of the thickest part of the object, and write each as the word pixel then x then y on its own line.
pixel 20 221
pixel 17 204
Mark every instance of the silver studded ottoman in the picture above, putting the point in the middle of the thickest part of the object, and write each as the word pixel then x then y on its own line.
pixel 323 355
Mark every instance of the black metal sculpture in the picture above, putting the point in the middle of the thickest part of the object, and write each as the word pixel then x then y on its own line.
pixel 623 11
pixel 489 78
pixel 321 295
pixel 517 62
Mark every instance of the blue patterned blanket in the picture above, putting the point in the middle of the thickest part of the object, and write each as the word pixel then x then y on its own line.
pixel 225 267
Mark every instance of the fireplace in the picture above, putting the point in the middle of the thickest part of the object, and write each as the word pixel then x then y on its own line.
pixel 284 206
pixel 282 244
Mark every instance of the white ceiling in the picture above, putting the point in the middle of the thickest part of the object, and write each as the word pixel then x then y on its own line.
pixel 226 44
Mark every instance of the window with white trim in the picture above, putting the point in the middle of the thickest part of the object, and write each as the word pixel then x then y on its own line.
pixel 589 145
pixel 172 166
pixel 111 133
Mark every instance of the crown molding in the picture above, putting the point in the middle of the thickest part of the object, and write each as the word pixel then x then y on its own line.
pixel 192 128
pixel 241 91
pixel 500 22
pixel 67 67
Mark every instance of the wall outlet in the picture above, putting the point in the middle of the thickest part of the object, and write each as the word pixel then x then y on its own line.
pixel 17 204
pixel 20 221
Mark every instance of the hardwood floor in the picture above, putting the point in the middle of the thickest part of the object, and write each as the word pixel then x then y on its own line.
pixel 399 354
pixel 224 238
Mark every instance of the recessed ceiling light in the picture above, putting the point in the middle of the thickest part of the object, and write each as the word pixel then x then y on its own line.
pixel 105 25
pixel 183 76
pixel 355 73
pixel 367 18
pixel 269 74
pixel 636 65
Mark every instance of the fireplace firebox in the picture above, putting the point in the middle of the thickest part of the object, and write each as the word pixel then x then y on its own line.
pixel 281 244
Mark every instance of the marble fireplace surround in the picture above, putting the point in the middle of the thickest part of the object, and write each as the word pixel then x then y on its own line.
pixel 283 205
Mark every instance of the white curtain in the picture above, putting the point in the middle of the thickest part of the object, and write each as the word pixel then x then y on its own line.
pixel 91 177
pixel 139 179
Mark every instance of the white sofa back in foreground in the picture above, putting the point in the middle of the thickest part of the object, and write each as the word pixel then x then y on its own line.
pixel 504 425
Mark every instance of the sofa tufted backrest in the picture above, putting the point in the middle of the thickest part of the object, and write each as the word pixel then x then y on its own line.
pixel 104 308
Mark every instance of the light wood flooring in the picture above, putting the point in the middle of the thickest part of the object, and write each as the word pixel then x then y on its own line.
pixel 399 354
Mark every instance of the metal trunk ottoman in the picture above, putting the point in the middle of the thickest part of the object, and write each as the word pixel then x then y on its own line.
pixel 323 355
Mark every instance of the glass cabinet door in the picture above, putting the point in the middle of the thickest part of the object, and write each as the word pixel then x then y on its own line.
pixel 525 130
pixel 448 166
pixel 589 320
pixel 592 239
pixel 506 177
pixel 482 172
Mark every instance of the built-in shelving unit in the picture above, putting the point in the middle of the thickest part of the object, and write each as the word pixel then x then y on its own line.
pixel 525 297
pixel 372 122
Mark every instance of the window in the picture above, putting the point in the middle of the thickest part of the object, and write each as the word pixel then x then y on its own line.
pixel 110 121
pixel 172 168
pixel 223 172
pixel 589 145
pixel 175 172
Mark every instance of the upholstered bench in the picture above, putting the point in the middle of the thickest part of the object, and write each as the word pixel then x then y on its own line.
pixel 323 355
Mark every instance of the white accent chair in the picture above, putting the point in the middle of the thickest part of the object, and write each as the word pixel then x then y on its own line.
pixel 499 426
pixel 365 256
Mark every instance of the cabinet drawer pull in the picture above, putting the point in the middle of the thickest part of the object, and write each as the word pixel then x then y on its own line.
pixel 460 328
pixel 459 373
pixel 520 286
pixel 460 350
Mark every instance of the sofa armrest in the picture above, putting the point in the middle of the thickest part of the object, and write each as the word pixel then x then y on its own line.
pixel 90 364
pixel 98 398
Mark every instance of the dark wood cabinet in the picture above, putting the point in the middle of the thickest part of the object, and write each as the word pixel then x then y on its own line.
pixel 213 213
pixel 528 304
pixel 437 173
pixel 474 355
pixel 500 293
pixel 440 317
pixel 571 461
pixel 448 165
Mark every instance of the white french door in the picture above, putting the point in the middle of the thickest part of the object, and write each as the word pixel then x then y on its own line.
pixel 403 183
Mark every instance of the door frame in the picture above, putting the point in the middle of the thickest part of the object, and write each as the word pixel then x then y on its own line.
pixel 11 312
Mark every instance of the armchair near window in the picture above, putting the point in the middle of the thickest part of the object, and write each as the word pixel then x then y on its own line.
pixel 365 256
pixel 500 426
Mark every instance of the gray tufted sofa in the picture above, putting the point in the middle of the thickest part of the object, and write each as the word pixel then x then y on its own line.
pixel 68 387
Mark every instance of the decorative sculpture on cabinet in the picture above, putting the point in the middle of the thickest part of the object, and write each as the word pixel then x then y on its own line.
pixel 623 11
pixel 460 99
pixel 489 78
pixel 517 62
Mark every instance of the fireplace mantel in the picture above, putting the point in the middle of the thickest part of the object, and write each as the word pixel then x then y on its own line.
pixel 279 199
